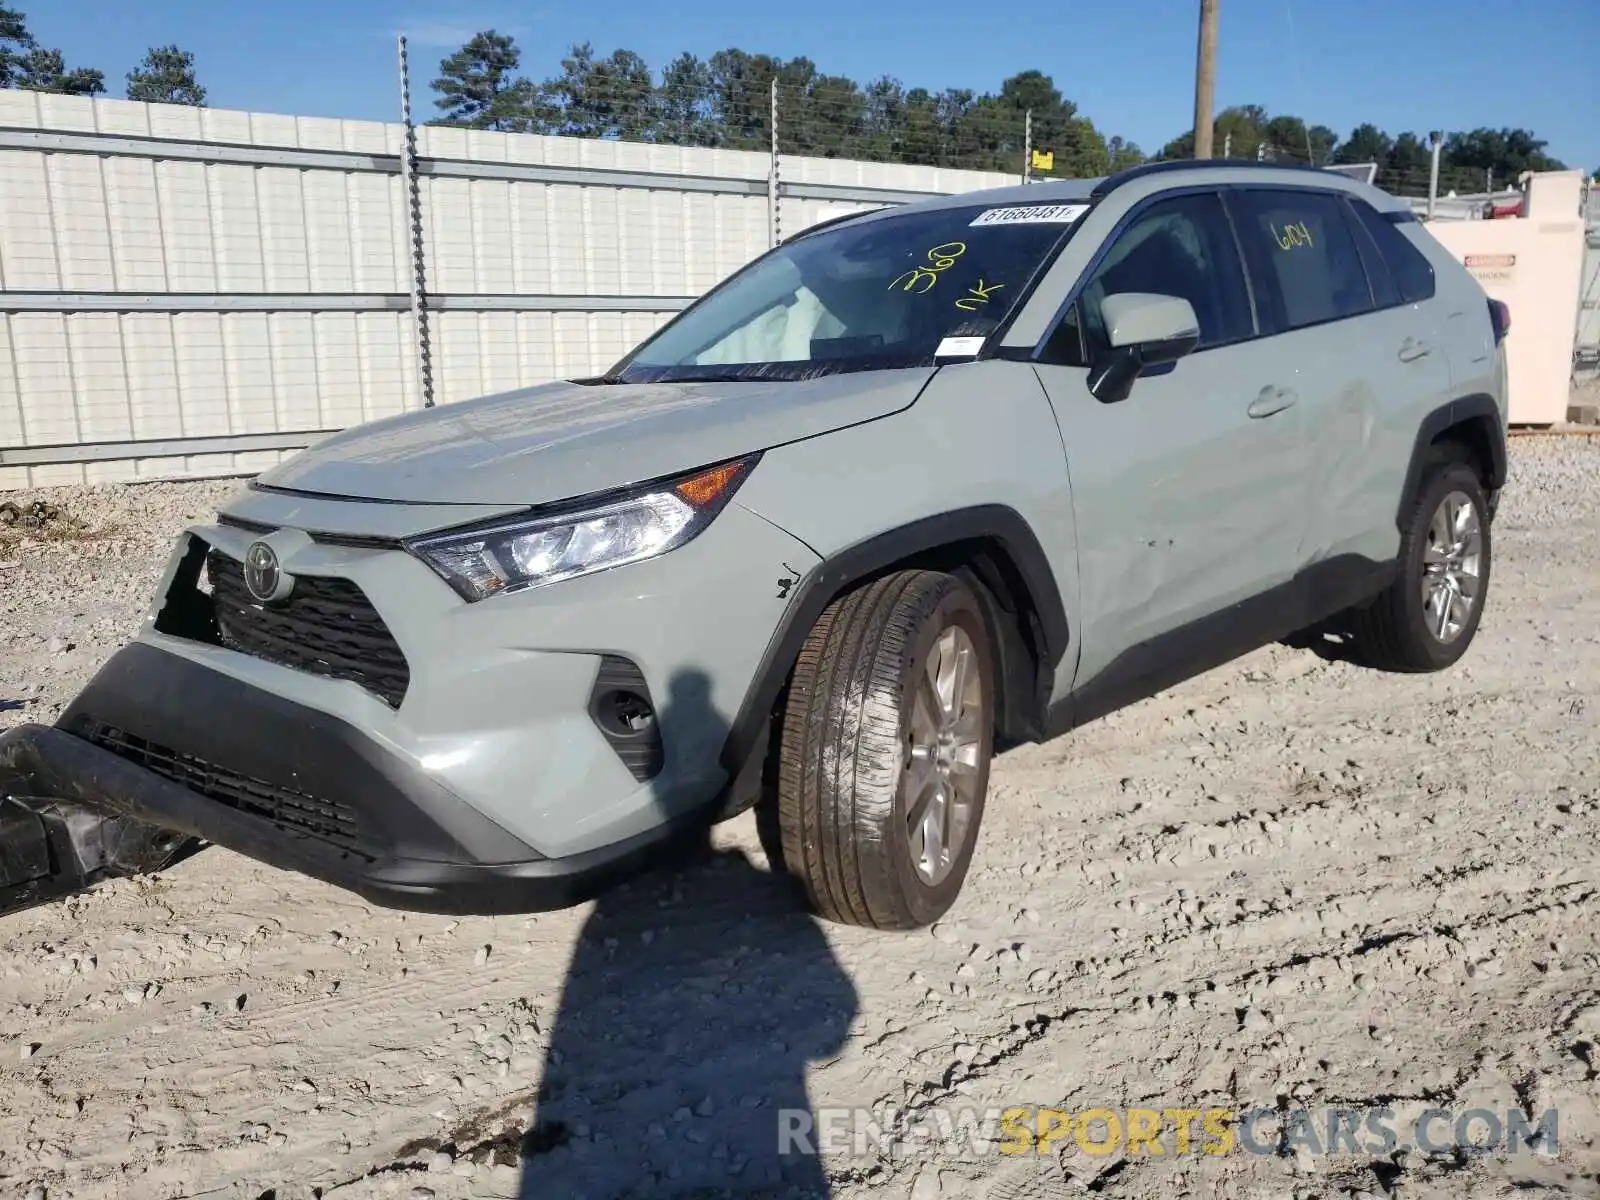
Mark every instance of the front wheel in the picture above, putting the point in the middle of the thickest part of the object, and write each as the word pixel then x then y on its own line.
pixel 883 758
pixel 1427 617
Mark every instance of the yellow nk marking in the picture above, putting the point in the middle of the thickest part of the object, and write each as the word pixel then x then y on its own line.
pixel 1295 234
pixel 979 295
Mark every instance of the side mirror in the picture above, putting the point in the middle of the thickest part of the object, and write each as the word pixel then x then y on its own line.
pixel 1145 330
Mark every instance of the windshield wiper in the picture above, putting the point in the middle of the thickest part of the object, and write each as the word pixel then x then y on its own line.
pixel 599 380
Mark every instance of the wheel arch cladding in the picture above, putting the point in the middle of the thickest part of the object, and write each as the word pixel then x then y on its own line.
pixel 1474 422
pixel 994 549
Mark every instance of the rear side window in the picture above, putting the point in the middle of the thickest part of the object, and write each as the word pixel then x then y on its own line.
pixel 1303 255
pixel 1413 273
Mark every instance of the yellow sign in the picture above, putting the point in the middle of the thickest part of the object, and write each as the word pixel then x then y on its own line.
pixel 1044 160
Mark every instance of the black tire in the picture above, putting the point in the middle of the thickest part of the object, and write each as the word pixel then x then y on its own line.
pixel 1392 633
pixel 844 746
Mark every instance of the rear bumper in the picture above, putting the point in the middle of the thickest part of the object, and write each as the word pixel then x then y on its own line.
pixel 170 743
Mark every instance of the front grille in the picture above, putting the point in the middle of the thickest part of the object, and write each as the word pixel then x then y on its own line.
pixel 326 626
pixel 286 807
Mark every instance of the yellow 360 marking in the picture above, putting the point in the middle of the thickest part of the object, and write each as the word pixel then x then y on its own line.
pixel 921 278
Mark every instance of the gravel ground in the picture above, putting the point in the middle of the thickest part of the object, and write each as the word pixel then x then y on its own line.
pixel 1289 882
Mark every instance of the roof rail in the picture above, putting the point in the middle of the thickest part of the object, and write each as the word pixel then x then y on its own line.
pixel 1173 166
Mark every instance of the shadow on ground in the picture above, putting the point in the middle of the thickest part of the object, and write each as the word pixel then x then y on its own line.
pixel 695 1000
pixel 1328 645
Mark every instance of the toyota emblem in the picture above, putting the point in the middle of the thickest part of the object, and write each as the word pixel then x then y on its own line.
pixel 264 579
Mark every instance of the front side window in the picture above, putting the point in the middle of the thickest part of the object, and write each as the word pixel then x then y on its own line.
pixel 1303 254
pixel 866 295
pixel 1178 247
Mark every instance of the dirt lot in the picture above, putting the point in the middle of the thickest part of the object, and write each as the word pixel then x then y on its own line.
pixel 1291 883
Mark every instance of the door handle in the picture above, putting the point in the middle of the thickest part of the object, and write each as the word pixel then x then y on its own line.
pixel 1411 350
pixel 1272 400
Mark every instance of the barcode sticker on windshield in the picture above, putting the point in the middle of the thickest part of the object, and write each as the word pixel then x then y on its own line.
pixel 1051 214
pixel 960 347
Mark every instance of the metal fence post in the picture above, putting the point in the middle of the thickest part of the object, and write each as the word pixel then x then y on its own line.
pixel 412 188
pixel 774 232
pixel 1433 173
pixel 1027 146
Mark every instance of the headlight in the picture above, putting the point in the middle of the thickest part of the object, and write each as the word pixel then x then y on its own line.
pixel 522 552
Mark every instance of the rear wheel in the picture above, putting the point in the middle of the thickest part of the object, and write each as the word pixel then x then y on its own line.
pixel 1428 616
pixel 883 758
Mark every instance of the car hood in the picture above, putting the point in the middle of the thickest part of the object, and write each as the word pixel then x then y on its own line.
pixel 542 444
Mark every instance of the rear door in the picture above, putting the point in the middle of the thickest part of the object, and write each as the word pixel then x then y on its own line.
pixel 1187 493
pixel 1415 356
pixel 1352 350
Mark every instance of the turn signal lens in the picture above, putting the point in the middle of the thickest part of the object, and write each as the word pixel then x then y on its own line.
pixel 707 487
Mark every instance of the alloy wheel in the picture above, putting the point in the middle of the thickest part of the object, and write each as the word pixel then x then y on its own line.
pixel 1452 567
pixel 939 782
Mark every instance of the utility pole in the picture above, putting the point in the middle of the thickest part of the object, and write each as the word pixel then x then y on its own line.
pixel 1433 173
pixel 1227 144
pixel 1205 78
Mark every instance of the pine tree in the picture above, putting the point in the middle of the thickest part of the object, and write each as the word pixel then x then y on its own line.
pixel 477 87
pixel 42 70
pixel 26 64
pixel 166 76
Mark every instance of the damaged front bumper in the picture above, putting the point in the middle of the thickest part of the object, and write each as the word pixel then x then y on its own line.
pixel 69 817
pixel 159 753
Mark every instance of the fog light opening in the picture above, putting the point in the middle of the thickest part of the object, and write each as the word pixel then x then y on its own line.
pixel 628 713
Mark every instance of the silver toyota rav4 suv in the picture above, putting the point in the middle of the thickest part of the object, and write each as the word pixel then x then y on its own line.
pixel 913 485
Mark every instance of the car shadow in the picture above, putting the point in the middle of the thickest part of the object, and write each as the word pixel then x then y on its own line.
pixel 1328 645
pixel 696 998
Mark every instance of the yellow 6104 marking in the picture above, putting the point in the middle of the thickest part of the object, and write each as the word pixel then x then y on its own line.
pixel 1293 235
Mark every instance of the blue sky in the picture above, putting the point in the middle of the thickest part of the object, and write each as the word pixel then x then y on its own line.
pixel 1411 64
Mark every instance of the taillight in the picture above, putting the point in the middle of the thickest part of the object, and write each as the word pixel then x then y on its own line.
pixel 1500 318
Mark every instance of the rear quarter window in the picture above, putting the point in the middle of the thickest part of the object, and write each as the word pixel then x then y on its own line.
pixel 1303 256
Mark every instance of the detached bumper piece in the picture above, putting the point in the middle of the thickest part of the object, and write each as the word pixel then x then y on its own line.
pixel 159 742
pixel 61 842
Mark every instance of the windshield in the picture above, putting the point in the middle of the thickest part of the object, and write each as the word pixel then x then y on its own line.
pixel 863 296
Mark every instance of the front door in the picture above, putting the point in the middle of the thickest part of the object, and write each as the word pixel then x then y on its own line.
pixel 1187 494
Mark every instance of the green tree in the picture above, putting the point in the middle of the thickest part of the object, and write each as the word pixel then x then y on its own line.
pixel 830 116
pixel 1503 154
pixel 166 76
pixel 26 64
pixel 683 104
pixel 740 98
pixel 15 42
pixel 1237 132
pixel 478 88
pixel 612 97
pixel 42 70
pixel 1405 170
pixel 1366 144
pixel 1123 154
